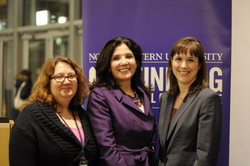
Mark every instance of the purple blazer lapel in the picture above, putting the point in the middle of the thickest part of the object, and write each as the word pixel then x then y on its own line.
pixel 146 102
pixel 125 100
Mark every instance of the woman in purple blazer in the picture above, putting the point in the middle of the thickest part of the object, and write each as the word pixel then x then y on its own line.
pixel 119 108
pixel 190 114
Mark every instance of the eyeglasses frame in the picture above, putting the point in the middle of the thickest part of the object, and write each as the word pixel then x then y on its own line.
pixel 64 77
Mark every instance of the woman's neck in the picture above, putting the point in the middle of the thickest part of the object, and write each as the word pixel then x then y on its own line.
pixel 127 89
pixel 183 91
pixel 64 110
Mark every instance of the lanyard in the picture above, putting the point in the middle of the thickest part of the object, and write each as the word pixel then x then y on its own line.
pixel 82 143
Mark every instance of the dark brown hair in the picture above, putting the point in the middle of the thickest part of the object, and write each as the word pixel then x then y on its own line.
pixel 194 48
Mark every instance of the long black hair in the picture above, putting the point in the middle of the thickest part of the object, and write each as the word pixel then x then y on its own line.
pixel 103 76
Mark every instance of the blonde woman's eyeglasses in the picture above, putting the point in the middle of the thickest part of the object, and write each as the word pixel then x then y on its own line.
pixel 61 78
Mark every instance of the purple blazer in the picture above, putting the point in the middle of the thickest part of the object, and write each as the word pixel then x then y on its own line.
pixel 124 134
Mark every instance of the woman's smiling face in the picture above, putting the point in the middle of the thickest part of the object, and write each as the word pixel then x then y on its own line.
pixel 66 89
pixel 185 68
pixel 123 64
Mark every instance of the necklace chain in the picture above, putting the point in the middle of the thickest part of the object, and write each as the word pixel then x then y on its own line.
pixel 136 99
pixel 181 98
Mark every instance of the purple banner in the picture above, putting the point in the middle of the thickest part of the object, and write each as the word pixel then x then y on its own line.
pixel 156 26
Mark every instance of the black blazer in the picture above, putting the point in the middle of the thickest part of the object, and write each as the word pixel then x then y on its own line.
pixel 193 137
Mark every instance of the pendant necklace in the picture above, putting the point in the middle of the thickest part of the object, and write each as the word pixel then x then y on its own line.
pixel 136 99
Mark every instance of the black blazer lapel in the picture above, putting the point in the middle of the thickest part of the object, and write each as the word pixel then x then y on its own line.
pixel 183 107
pixel 165 113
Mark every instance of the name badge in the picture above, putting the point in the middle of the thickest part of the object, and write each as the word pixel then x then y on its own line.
pixel 83 161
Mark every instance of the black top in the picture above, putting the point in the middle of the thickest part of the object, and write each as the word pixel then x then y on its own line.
pixel 24 94
pixel 39 138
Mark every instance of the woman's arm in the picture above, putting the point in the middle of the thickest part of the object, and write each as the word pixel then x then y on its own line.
pixel 209 131
pixel 22 148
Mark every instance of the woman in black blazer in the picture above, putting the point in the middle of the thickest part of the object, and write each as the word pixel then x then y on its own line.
pixel 190 117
